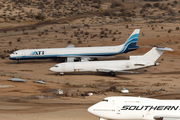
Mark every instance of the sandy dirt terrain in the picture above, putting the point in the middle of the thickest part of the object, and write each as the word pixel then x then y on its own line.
pixel 54 24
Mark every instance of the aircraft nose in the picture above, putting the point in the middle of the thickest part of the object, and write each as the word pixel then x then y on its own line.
pixel 90 109
pixel 52 69
pixel 10 56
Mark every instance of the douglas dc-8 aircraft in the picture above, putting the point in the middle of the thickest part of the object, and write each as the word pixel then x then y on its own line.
pixel 136 108
pixel 71 52
pixel 113 67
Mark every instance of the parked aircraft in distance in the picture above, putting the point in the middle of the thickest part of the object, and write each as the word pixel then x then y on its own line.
pixel 115 66
pixel 136 108
pixel 71 52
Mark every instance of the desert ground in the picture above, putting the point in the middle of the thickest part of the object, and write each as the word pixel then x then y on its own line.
pixel 29 24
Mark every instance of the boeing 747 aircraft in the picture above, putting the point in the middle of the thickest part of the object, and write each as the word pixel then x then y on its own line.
pixel 71 52
pixel 136 108
pixel 115 66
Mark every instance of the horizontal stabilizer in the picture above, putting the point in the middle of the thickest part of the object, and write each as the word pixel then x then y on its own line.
pixel 164 49
pixel 70 46
pixel 111 70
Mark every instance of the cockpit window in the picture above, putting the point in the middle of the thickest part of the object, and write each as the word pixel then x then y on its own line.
pixel 55 66
pixel 105 100
pixel 14 53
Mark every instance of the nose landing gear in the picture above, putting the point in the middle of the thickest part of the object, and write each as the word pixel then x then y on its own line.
pixel 62 74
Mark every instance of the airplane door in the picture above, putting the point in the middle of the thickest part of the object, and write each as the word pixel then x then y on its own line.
pixel 63 67
pixel 23 53
pixel 127 65
pixel 118 110
pixel 78 66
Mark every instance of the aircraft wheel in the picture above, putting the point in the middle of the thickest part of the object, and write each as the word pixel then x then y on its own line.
pixel 18 61
pixel 113 73
pixel 62 74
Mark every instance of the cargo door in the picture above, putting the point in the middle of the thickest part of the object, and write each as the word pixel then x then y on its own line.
pixel 78 66
pixel 127 65
pixel 67 67
pixel 63 67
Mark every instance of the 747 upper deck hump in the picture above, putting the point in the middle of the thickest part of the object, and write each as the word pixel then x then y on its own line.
pixel 71 52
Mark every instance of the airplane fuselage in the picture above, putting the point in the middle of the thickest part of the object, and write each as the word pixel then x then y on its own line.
pixel 53 53
pixel 136 108
pixel 112 67
pixel 93 66
pixel 73 52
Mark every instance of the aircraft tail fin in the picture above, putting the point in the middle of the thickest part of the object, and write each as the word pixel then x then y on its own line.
pixel 152 55
pixel 130 43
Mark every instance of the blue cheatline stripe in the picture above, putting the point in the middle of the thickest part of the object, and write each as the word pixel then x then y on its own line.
pixel 33 53
pixel 132 37
pixel 126 45
pixel 134 40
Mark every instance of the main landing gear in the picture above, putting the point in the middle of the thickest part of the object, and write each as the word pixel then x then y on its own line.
pixel 113 73
pixel 18 61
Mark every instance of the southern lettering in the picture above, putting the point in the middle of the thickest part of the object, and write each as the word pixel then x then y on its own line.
pixel 133 107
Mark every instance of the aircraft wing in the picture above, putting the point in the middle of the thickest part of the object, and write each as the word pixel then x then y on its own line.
pixel 70 46
pixel 82 56
pixel 111 70
pixel 167 117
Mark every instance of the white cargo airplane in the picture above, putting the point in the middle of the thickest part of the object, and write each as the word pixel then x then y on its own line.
pixel 71 52
pixel 115 66
pixel 136 108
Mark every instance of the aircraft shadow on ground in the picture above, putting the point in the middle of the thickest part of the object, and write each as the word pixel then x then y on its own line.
pixel 93 74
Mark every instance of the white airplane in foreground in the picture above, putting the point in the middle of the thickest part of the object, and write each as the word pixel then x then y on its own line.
pixel 115 66
pixel 136 108
pixel 71 52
